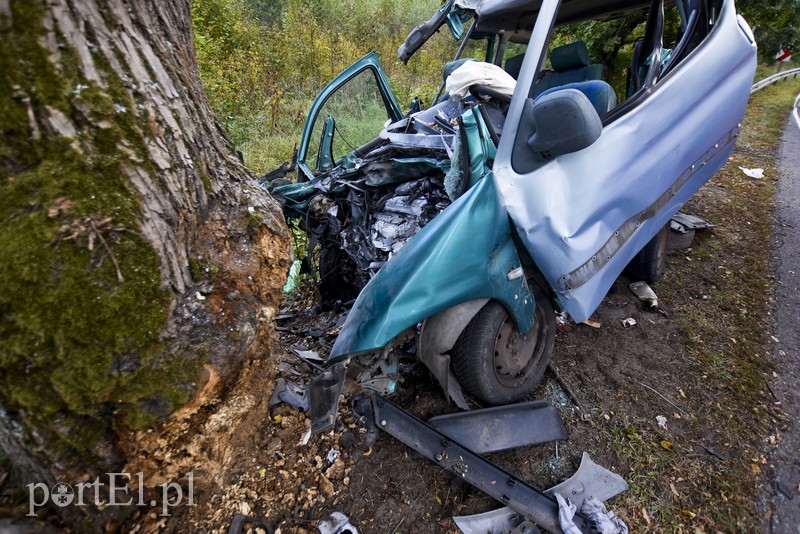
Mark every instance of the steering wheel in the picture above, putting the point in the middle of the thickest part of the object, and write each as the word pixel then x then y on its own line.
pixel 481 91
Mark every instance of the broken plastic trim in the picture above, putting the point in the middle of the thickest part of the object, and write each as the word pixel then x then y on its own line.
pixel 502 428
pixel 325 389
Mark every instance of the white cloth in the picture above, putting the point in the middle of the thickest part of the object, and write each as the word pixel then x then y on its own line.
pixel 605 521
pixel 479 73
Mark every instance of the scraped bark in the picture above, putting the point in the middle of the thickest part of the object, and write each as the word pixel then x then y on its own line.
pixel 221 242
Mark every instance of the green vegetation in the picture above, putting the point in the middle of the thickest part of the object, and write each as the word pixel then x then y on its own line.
pixel 775 23
pixel 263 63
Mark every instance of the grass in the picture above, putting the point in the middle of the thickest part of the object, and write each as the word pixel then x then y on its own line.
pixel 727 339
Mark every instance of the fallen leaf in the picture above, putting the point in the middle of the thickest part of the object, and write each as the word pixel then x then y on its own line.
pixel 756 469
pixel 674 491
pixel 646 517
pixel 666 444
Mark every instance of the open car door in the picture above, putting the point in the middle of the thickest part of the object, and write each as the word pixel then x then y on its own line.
pixel 346 117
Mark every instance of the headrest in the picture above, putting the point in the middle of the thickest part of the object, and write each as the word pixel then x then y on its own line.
pixel 514 64
pixel 570 57
pixel 450 66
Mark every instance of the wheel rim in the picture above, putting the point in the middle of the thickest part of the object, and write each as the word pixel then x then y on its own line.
pixel 517 355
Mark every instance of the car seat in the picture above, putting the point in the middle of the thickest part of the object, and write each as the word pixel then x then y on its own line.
pixel 599 93
pixel 570 64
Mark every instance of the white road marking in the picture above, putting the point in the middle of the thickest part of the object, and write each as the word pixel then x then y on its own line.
pixel 795 113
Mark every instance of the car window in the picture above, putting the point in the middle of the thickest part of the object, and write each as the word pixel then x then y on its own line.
pixel 625 46
pixel 358 112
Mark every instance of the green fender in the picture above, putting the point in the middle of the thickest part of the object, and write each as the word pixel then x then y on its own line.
pixel 464 253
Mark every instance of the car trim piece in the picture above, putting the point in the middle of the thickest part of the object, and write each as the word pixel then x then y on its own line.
pixel 599 259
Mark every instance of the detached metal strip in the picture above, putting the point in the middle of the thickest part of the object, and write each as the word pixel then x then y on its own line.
pixel 481 473
pixel 585 272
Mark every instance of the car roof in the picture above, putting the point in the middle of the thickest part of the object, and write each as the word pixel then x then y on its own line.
pixel 517 17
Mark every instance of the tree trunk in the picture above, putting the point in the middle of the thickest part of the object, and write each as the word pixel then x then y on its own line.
pixel 140 263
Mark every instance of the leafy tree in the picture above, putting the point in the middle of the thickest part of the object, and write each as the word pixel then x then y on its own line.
pixel 775 24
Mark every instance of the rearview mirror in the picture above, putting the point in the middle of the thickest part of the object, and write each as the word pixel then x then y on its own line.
pixel 565 121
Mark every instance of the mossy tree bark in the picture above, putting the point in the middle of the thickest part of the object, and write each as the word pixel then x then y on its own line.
pixel 140 264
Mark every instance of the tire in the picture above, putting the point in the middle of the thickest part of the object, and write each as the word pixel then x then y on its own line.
pixel 496 364
pixel 648 264
pixel 680 241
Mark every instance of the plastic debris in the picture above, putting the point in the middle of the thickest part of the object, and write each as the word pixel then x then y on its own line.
pixel 333 454
pixel 753 173
pixel 308 355
pixel 590 481
pixel 662 422
pixel 629 322
pixel 645 294
pixel 290 393
pixel 336 523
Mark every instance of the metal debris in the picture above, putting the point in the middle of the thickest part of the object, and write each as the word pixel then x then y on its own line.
pixel 289 393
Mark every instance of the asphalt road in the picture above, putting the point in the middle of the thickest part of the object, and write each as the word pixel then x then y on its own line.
pixel 781 502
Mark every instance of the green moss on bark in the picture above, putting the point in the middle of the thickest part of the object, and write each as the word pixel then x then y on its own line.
pixel 78 344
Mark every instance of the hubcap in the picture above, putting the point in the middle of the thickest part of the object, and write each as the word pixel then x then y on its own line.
pixel 515 354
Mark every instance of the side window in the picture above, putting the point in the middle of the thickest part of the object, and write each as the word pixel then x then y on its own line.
pixel 633 50
pixel 351 117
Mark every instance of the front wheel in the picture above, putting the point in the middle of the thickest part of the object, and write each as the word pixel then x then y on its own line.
pixel 494 362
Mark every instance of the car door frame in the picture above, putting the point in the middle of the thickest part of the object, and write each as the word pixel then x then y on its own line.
pixel 368 62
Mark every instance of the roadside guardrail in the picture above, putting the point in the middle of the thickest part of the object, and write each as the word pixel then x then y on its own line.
pixel 769 80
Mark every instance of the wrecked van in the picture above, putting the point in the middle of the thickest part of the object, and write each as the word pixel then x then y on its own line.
pixel 527 187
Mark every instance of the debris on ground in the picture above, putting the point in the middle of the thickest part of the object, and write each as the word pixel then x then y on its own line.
pixel 336 523
pixel 758 174
pixel 644 293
